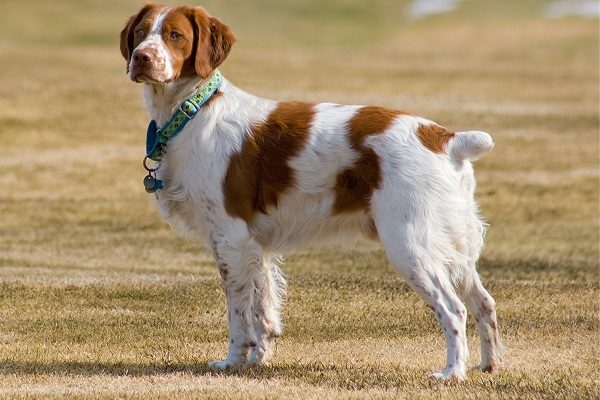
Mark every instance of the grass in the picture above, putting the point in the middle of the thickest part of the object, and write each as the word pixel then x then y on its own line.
pixel 99 299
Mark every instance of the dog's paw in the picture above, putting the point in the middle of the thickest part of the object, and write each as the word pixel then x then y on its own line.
pixel 218 365
pixel 449 373
pixel 261 353
pixel 489 367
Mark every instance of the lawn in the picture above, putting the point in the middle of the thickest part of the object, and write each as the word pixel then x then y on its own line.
pixel 100 299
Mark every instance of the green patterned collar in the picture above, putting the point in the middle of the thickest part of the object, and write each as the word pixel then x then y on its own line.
pixel 157 139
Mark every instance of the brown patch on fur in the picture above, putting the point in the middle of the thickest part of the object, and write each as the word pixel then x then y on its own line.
pixel 259 173
pixel 181 20
pixel 434 137
pixel 354 186
pixel 212 42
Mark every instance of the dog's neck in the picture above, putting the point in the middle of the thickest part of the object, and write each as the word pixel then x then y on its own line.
pixel 162 100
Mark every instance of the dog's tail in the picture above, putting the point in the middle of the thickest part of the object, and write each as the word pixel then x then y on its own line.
pixel 469 145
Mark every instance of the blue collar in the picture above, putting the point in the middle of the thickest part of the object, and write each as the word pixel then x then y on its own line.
pixel 157 139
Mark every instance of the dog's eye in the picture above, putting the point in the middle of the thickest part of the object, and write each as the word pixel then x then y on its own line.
pixel 140 32
pixel 175 35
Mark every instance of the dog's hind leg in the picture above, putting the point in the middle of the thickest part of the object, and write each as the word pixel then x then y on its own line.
pixel 436 289
pixel 479 302
pixel 432 283
pixel 483 308
pixel 411 247
pixel 268 302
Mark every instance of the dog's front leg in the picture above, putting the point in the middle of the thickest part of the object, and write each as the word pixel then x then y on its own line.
pixel 239 263
pixel 267 307
pixel 241 333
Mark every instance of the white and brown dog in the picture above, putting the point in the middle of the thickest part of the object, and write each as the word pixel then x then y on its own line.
pixel 254 178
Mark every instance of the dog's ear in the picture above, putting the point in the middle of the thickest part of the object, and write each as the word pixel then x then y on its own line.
pixel 128 31
pixel 212 42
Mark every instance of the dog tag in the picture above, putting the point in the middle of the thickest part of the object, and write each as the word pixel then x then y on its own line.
pixel 149 182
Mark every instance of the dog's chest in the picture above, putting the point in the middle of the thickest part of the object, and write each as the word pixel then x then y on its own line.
pixel 191 201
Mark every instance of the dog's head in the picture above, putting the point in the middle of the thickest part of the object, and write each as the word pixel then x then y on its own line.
pixel 162 43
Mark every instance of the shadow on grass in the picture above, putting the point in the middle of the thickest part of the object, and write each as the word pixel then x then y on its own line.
pixel 345 376
pixel 101 368
pixel 351 377
pixel 582 270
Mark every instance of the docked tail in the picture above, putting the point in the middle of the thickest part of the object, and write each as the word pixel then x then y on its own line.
pixel 469 145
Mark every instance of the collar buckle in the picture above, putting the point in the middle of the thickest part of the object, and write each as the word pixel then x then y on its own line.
pixel 188 104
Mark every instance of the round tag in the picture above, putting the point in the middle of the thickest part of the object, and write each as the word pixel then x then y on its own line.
pixel 149 182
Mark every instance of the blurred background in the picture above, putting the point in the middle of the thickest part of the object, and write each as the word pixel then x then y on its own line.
pixel 72 125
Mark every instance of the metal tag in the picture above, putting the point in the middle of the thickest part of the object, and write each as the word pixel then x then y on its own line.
pixel 149 182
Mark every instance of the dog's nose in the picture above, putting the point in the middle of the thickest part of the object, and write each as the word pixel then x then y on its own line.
pixel 141 56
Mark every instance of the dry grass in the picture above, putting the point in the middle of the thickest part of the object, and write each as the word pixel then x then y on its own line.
pixel 99 299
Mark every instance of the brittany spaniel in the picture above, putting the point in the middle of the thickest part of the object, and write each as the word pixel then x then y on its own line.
pixel 253 178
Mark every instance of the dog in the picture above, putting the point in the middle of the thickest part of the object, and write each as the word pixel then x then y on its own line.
pixel 254 178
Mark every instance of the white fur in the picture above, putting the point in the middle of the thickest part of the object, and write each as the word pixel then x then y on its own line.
pixel 424 214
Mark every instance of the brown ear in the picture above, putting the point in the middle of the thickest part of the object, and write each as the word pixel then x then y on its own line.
pixel 127 32
pixel 212 43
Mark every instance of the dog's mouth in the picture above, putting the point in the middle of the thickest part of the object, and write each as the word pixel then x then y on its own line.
pixel 143 78
pixel 143 75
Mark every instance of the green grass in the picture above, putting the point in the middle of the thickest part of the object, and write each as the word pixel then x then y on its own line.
pixel 99 299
